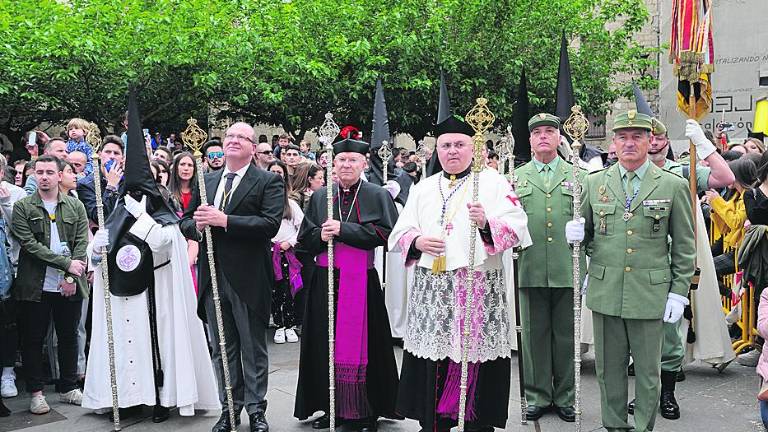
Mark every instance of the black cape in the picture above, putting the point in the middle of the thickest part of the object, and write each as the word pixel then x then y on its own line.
pixel 370 221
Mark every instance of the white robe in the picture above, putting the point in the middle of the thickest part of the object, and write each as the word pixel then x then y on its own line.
pixel 398 278
pixel 189 380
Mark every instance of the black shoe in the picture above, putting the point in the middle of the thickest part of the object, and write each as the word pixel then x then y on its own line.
pixel 567 414
pixel 631 407
pixel 534 413
pixel 4 411
pixel 631 370
pixel 670 410
pixel 126 413
pixel 323 422
pixel 223 425
pixel 160 414
pixel 680 376
pixel 259 422
pixel 369 425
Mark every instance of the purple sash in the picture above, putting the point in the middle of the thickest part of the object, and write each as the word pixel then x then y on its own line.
pixel 294 268
pixel 351 330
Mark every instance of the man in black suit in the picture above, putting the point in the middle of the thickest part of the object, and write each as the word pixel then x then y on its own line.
pixel 244 211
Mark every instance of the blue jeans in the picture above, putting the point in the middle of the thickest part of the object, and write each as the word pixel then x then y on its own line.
pixel 764 413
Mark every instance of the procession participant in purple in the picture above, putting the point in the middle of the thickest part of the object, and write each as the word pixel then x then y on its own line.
pixel 433 232
pixel 366 372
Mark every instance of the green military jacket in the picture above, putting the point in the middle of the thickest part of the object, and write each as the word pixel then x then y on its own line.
pixel 632 265
pixel 547 262
pixel 32 228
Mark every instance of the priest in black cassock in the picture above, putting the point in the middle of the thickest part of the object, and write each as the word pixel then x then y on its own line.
pixel 366 372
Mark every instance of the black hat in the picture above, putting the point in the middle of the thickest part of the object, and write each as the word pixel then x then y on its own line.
pixel 453 124
pixel 351 145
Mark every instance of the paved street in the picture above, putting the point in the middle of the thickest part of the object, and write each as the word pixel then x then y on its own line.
pixel 709 402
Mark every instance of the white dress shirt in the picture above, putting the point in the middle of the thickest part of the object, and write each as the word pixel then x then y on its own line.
pixel 235 182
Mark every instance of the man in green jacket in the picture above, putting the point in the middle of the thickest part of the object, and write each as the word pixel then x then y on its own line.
pixel 52 230
pixel 637 278
pixel 545 188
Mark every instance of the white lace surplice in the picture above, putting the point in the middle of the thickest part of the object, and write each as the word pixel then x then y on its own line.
pixel 434 330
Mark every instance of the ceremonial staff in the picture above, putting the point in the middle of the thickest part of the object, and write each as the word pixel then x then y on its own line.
pixel 94 139
pixel 194 137
pixel 505 148
pixel 421 153
pixel 576 127
pixel 481 119
pixel 384 153
pixel 328 132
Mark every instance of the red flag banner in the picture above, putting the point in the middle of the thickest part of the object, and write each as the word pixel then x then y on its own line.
pixel 692 55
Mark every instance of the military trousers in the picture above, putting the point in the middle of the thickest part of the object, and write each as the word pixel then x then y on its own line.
pixel 672 351
pixel 547 320
pixel 615 337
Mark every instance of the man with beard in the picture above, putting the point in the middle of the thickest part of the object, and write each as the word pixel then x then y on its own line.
pixel 214 155
pixel 433 232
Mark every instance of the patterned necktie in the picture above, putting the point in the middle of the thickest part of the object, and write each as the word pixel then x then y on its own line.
pixel 629 188
pixel 227 191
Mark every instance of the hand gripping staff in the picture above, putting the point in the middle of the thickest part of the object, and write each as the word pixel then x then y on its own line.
pixel 94 139
pixel 481 119
pixel 194 137
pixel 328 132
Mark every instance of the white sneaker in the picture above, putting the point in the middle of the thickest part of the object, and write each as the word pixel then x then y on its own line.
pixel 8 387
pixel 280 335
pixel 74 397
pixel 749 359
pixel 38 405
pixel 290 336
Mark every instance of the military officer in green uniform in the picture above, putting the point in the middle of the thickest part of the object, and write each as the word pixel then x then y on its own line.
pixel 637 278
pixel 715 175
pixel 545 189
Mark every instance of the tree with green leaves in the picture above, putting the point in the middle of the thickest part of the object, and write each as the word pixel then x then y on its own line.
pixel 288 62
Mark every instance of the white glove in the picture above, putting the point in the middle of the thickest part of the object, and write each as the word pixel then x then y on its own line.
pixel 100 240
pixel 136 208
pixel 695 133
pixel 574 231
pixel 675 306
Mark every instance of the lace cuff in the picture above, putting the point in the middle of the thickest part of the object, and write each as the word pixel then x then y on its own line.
pixel 406 244
pixel 503 237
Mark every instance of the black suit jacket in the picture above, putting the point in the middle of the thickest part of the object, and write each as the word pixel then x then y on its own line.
pixel 242 252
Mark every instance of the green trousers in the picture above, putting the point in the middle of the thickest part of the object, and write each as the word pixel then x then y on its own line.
pixel 614 339
pixel 672 352
pixel 547 317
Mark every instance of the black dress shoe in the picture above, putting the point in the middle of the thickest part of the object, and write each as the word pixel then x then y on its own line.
pixel 323 422
pixel 567 414
pixel 369 425
pixel 126 413
pixel 259 422
pixel 670 410
pixel 534 413
pixel 223 425
pixel 631 407
pixel 4 411
pixel 160 414
pixel 680 377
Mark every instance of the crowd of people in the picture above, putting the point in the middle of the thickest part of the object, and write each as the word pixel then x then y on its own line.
pixel 66 271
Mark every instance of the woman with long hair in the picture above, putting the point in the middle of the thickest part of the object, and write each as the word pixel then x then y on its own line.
pixel 286 265
pixel 307 178
pixel 183 174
